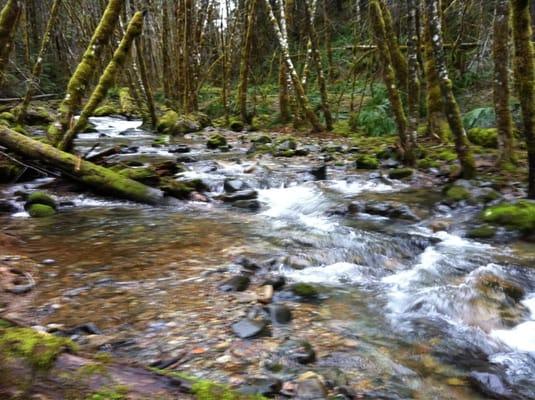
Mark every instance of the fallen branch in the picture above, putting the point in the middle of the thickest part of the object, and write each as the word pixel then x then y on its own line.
pixel 16 99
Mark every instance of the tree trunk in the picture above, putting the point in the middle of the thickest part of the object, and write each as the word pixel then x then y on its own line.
pixel 284 94
pixel 101 179
pixel 413 95
pixel 145 83
pixel 316 57
pixel 282 38
pixel 453 113
pixel 502 91
pixel 106 81
pixel 79 81
pixel 389 77
pixel 9 18
pixel 244 62
pixel 525 75
pixel 38 66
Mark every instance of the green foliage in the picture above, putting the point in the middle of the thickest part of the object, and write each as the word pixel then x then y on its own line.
pixel 447 155
pixel 486 137
pixel 116 393
pixel 375 117
pixel 366 161
pixel 484 117
pixel 39 350
pixel 519 216
pixel 457 193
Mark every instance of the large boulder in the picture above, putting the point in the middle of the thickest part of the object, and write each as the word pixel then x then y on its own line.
pixel 518 216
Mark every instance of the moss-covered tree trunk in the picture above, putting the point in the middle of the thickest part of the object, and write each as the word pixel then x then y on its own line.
pixel 245 61
pixel 284 94
pixel 316 58
pixel 106 81
pixel 399 62
pixel 33 84
pixel 100 179
pixel 145 82
pixel 502 91
pixel 453 113
pixel 9 18
pixel 525 80
pixel 282 37
pixel 81 77
pixel 413 85
pixel 389 76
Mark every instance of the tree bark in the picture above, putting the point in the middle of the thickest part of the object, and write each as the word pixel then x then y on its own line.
pixel 9 18
pixel 413 85
pixel 502 91
pixel 38 66
pixel 106 81
pixel 525 76
pixel 79 81
pixel 453 113
pixel 244 61
pixel 100 179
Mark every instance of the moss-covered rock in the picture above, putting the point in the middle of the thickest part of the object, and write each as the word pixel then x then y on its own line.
pixel 236 125
pixel 182 189
pixel 482 232
pixel 106 110
pixel 284 143
pixel 167 121
pixel 486 137
pixel 9 117
pixel 519 216
pixel 447 155
pixel 304 290
pixel 401 173
pixel 367 162
pixel 427 163
pixel 39 350
pixel 262 139
pixel 457 193
pixel 40 211
pixel 9 171
pixel 171 123
pixel 216 141
pixel 40 198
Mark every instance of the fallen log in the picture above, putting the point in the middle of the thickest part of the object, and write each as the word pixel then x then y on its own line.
pixel 16 99
pixel 100 179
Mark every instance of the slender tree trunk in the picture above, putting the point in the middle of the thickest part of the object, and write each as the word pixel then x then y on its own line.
pixel 244 62
pixel 502 91
pixel 453 113
pixel 525 76
pixel 399 62
pixel 389 76
pixel 38 66
pixel 413 95
pixel 284 94
pixel 9 18
pixel 166 59
pixel 145 83
pixel 282 38
pixel 316 57
pixel 106 81
pixel 79 81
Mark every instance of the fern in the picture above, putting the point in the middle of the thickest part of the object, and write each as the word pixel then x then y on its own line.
pixel 484 117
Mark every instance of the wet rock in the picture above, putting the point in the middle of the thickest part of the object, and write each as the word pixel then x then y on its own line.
pixel 367 162
pixel 262 139
pixel 299 351
pixel 40 198
pixel 167 168
pixel 186 159
pixel 305 290
pixel 301 152
pixel 251 205
pixel 297 262
pixel 248 194
pixel 247 263
pixel 216 141
pixel 180 148
pixel 481 232
pixel 235 185
pixel 7 207
pixel 266 294
pixel 237 283
pixel 311 386
pixel 265 386
pixel 391 163
pixel 277 282
pixel 319 173
pixel 280 313
pixel 495 283
pixel 285 143
pixel 490 385
pixel 40 211
pixel 248 328
pixel 383 209
pixel 84 329
pixel 401 173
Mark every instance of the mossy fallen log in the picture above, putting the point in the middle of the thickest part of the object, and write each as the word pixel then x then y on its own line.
pixel 100 179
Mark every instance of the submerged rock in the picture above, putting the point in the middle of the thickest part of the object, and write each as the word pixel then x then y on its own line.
pixel 248 328
pixel 311 386
pixel 236 284
pixel 248 194
pixel 304 290
pixel 490 385
pixel 280 313
pixel 401 173
pixel 265 386
pixel 319 173
pixel 235 185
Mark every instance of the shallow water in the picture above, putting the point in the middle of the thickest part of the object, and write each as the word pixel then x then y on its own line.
pixel 412 299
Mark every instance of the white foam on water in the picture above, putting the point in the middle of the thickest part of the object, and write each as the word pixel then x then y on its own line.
pixel 522 336
pixel 356 187
pixel 334 274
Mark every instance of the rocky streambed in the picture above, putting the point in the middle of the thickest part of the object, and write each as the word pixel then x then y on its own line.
pixel 292 274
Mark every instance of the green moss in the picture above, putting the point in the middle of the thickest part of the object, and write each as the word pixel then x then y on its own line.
pixel 367 162
pixel 167 122
pixel 115 393
pixel 128 105
pixel 9 117
pixel 41 198
pixel 447 155
pixel 262 139
pixel 304 290
pixel 107 109
pixel 236 125
pixel 427 163
pixel 457 193
pixel 40 211
pixel 286 142
pixel 486 137
pixel 401 173
pixel 39 350
pixel 144 175
pixel 9 171
pixel 182 189
pixel 519 216
pixel 284 153
pixel 482 232
pixel 216 141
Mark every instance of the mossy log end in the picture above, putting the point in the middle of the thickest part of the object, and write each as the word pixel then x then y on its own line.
pixel 101 179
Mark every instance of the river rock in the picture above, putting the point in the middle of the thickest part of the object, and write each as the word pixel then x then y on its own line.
pixel 279 313
pixel 246 263
pixel 490 385
pixel 265 386
pixel 277 281
pixel 251 205
pixel 266 294
pixel 311 386
pixel 383 209
pixel 248 328
pixel 235 185
pixel 319 173
pixel 180 148
pixel 7 207
pixel 248 194
pixel 237 283
pixel 299 351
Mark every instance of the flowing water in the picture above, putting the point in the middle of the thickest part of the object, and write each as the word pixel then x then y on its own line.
pixel 412 311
